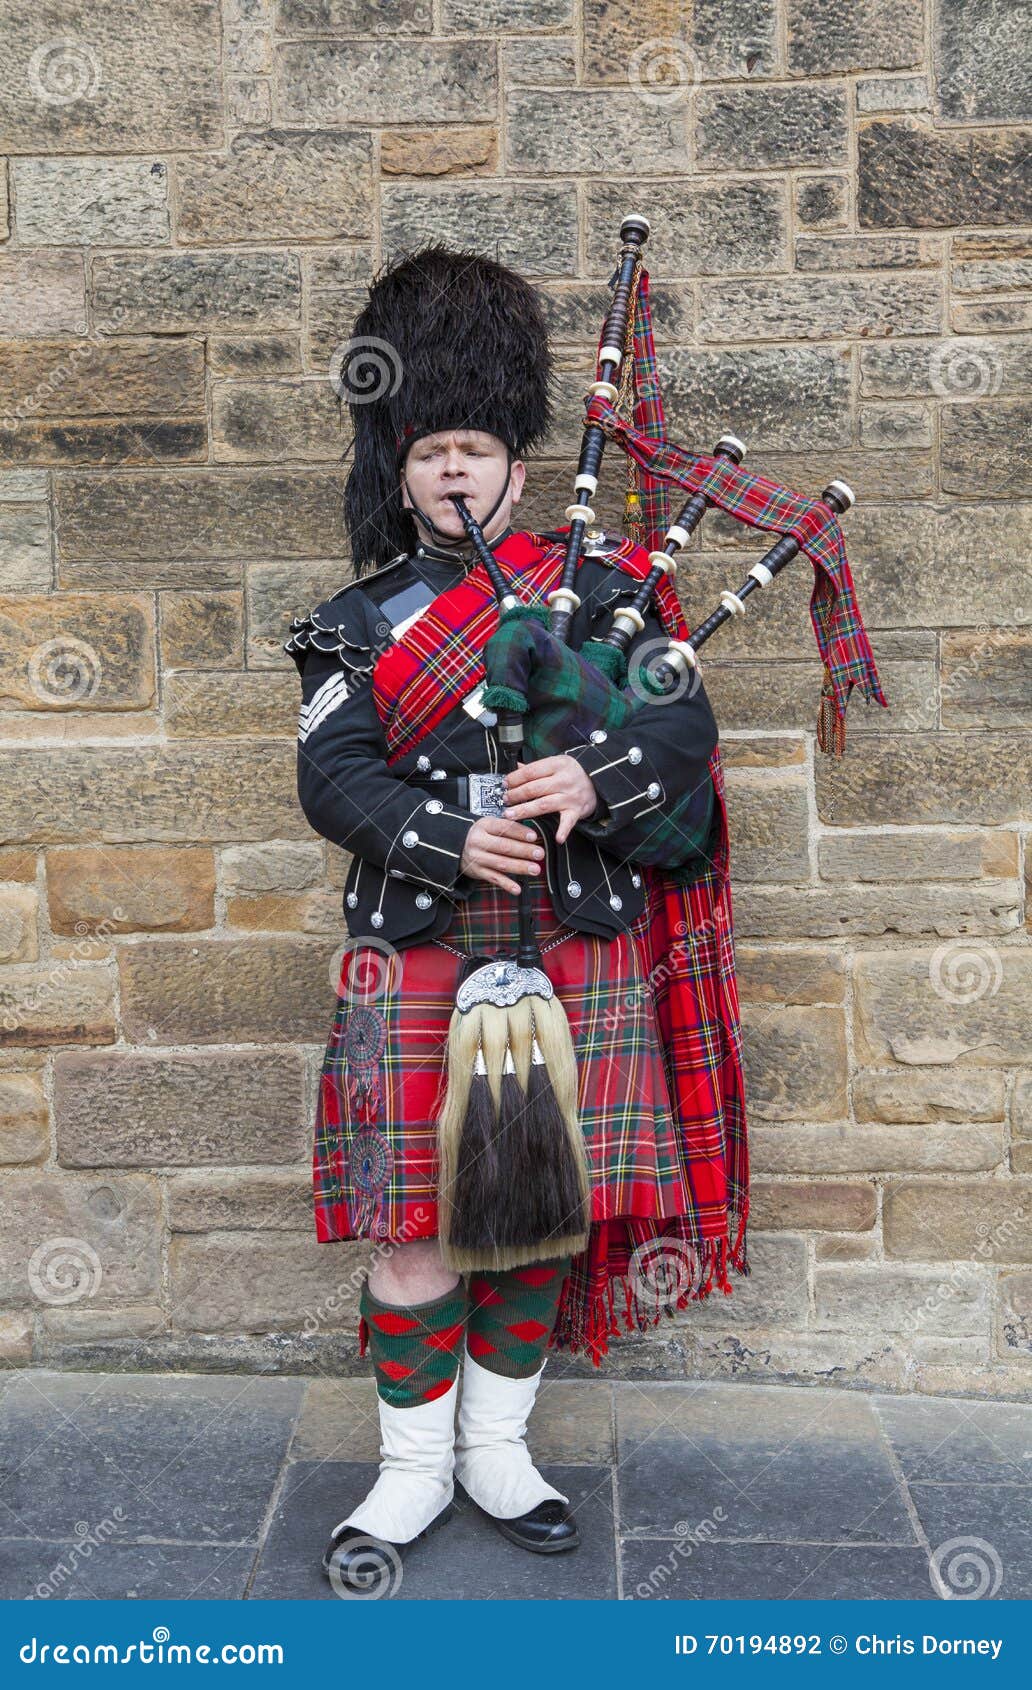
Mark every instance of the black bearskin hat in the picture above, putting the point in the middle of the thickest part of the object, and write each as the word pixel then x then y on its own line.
pixel 447 340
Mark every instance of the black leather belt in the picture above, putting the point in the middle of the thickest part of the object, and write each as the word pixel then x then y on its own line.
pixel 481 790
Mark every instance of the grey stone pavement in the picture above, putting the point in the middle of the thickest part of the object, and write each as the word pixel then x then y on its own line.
pixel 180 1485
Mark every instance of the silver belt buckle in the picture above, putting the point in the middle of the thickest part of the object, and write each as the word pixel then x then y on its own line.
pixel 486 794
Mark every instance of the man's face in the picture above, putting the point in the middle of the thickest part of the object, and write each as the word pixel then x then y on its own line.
pixel 466 461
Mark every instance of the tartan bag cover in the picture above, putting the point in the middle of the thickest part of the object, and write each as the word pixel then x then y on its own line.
pixel 686 944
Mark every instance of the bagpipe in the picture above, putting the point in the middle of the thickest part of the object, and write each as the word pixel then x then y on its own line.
pixel 515 1185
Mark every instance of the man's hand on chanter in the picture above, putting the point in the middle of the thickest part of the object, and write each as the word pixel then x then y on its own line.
pixel 549 784
pixel 496 849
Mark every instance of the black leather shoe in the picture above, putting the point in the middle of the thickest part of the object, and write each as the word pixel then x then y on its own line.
pixel 546 1529
pixel 360 1562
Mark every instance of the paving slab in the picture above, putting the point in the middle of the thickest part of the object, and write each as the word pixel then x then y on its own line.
pixel 122 1572
pixel 954 1441
pixel 466 1558
pixel 767 1462
pixel 980 1537
pixel 774 1572
pixel 171 1457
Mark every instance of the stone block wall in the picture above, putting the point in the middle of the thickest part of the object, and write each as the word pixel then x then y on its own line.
pixel 191 201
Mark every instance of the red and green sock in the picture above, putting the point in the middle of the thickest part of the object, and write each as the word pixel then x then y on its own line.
pixel 511 1316
pixel 415 1348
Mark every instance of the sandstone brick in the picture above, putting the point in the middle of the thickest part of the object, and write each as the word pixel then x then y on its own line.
pixel 776 397
pixel 821 308
pixel 827 35
pixel 532 225
pixel 208 705
pixel 901 426
pixel 42 293
pixel 926 1097
pixel 347 17
pixel 272 867
pixel 172 293
pixel 285 912
pixel 248 101
pixel 990 316
pixel 19 917
pixel 5 203
pixel 77 652
pixel 278 185
pixel 15 1340
pixel 450 151
pixel 183 1108
pixel 515 15
pixel 85 1233
pixel 92 201
pixel 845 1247
pixel 939 568
pixel 551 62
pixel 136 888
pixel 768 821
pixel 17 864
pixel 1023 1106
pixel 845 1149
pixel 45 385
pixel 143 74
pixel 25 547
pixel 736 40
pixel 226 991
pixel 867 252
pixel 965 1005
pixel 254 354
pixel 766 128
pixel 211 516
pixel 978 58
pixel 257 1282
pixel 946 777
pixel 777 1261
pixel 958 368
pixel 698 228
pixel 817 913
pixel 24 1122
pixel 917 856
pixel 892 93
pixel 277 592
pixel 813 1206
pixel 219 1202
pixel 196 793
pixel 821 202
pixel 796 1063
pixel 84 1324
pixel 361 81
pixel 912 175
pixel 278 422
pixel 587 131
pixel 959 1220
pixel 60 1003
pixel 202 630
pixel 987 679
pixel 747 695
pixel 985 448
pixel 19 486
pixel 770 975
pixel 990 263
pixel 885 1299
pixel 1014 1318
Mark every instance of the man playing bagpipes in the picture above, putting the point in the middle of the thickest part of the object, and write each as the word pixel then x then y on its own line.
pixel 533 1078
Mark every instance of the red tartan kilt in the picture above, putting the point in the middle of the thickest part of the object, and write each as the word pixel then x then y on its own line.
pixel 383 1075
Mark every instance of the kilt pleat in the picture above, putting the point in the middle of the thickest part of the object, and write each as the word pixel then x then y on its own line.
pixel 383 1078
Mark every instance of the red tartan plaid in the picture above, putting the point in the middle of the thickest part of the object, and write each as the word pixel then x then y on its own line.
pixel 682 1185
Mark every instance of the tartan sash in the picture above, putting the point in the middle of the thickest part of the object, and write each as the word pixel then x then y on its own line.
pixel 436 662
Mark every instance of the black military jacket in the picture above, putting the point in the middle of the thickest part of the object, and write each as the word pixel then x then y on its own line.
pixel 406 824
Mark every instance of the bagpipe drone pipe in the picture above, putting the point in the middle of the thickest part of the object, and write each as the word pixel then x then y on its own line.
pixel 529 666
